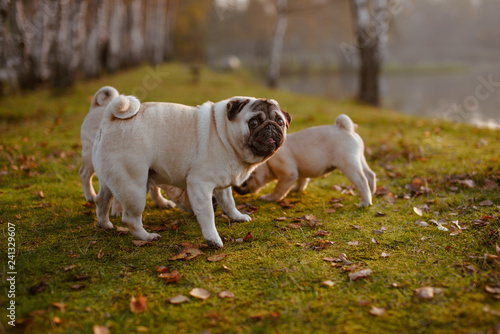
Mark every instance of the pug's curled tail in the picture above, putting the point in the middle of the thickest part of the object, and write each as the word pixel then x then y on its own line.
pixel 344 122
pixel 103 96
pixel 122 107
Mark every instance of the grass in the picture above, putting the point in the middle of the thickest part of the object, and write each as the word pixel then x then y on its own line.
pixel 277 276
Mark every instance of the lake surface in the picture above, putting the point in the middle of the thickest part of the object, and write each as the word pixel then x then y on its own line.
pixel 471 95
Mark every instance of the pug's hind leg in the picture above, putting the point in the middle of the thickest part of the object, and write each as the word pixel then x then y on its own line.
pixel 86 174
pixel 200 197
pixel 354 172
pixel 370 175
pixel 134 202
pixel 116 208
pixel 285 183
pixel 158 199
pixel 301 184
pixel 103 203
pixel 225 199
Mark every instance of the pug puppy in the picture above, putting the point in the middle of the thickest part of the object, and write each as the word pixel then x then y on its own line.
pixel 315 152
pixel 88 130
pixel 204 150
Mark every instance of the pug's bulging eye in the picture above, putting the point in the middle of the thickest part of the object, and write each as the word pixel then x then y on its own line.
pixel 253 123
pixel 280 122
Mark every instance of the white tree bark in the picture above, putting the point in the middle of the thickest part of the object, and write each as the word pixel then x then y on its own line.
pixel 277 44
pixel 172 7
pixel 136 41
pixel 115 44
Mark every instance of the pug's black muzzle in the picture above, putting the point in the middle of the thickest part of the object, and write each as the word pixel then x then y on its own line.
pixel 266 139
pixel 241 190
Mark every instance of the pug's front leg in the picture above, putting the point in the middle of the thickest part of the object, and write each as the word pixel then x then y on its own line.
pixel 200 197
pixel 225 199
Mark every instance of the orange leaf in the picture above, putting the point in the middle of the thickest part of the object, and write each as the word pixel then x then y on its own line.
pixel 137 305
pixel 172 277
pixel 248 237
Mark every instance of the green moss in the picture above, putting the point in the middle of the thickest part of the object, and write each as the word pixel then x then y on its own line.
pixel 277 277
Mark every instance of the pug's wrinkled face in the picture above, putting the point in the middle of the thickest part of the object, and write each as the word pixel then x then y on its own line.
pixel 262 126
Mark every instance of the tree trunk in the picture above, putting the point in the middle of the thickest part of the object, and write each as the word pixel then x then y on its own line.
pixel 136 40
pixel 115 55
pixel 21 38
pixel 172 7
pixel 370 37
pixel 277 44
pixel 97 18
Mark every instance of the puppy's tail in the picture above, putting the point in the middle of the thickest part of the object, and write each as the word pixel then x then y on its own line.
pixel 344 122
pixel 103 96
pixel 122 107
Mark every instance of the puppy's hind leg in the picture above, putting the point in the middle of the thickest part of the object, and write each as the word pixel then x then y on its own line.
pixel 225 199
pixel 370 175
pixel 86 172
pixel 301 184
pixel 103 201
pixel 133 201
pixel 285 183
pixel 158 199
pixel 354 172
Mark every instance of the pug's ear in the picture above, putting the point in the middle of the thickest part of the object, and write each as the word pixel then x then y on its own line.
pixel 235 106
pixel 288 118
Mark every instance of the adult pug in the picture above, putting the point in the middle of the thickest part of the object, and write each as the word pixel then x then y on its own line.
pixel 204 149
pixel 88 130
pixel 315 152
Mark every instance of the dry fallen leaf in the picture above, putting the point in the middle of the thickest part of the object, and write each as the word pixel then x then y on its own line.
pixel 162 269
pixel 425 292
pixel 486 203
pixel 178 299
pixel 295 225
pixel 360 274
pixel 77 286
pixel 142 329
pixel 418 211
pixel 217 257
pixel 375 241
pixel 328 283
pixel 421 223
pixel 200 293
pixel 468 183
pixel 187 254
pixel 122 230
pixel 60 306
pixel 139 243
pixel 57 320
pixel 357 227
pixel 377 311
pixel 280 219
pixel 97 329
pixel 137 305
pixel 353 243
pixel 172 277
pixel 384 255
pixel 226 294
pixel 329 210
pixel 226 267
pixel 322 232
pixel 100 254
pixel 343 258
pixel 248 237
pixel 330 259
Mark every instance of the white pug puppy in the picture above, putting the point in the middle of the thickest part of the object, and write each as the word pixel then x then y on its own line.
pixel 204 149
pixel 311 153
pixel 88 130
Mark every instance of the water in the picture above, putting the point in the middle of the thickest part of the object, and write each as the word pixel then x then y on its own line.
pixel 471 95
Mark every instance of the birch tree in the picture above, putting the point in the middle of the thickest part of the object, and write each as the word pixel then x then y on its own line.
pixel 371 35
pixel 277 44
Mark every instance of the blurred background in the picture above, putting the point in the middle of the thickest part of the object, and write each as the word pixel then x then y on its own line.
pixel 438 58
